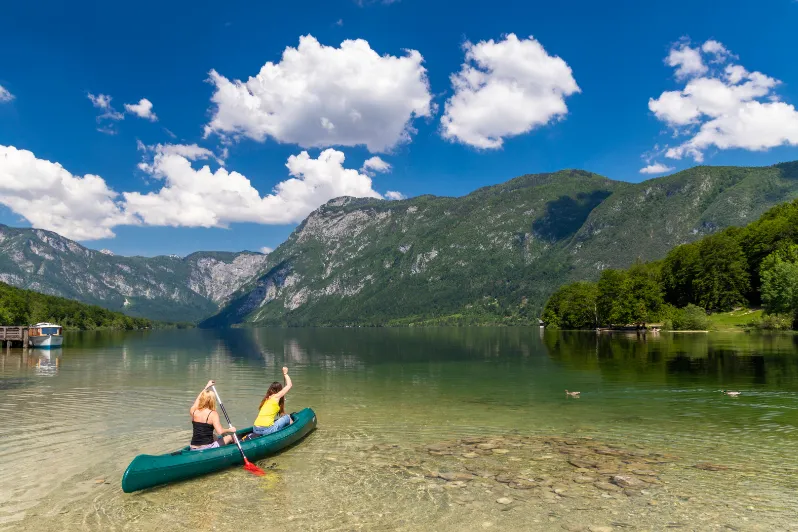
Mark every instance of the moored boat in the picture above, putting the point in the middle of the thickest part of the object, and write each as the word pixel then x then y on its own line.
pixel 45 335
pixel 146 471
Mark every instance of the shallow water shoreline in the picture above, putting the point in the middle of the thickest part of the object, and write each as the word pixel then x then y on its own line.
pixel 419 429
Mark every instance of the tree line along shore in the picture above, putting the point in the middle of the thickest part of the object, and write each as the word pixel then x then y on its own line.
pixel 751 266
pixel 22 307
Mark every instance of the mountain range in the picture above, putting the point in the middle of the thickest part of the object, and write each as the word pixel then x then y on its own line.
pixel 495 255
pixel 492 256
pixel 167 288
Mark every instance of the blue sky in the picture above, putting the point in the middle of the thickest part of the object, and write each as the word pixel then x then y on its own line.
pixel 613 59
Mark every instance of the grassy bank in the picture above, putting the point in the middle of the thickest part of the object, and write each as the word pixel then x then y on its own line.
pixel 735 320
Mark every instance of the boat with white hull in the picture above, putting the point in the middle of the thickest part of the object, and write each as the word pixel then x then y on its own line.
pixel 45 335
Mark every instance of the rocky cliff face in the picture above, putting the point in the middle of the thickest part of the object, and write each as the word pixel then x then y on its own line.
pixel 494 255
pixel 163 288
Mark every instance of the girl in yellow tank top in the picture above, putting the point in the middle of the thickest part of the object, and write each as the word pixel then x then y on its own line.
pixel 272 406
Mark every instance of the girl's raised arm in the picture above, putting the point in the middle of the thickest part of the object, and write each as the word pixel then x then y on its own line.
pixel 279 395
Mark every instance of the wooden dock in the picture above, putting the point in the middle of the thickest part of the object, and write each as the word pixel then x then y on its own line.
pixel 15 334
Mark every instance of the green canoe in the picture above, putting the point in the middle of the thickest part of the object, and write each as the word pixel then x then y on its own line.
pixel 148 470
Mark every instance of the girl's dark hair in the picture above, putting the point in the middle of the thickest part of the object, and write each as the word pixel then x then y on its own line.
pixel 273 389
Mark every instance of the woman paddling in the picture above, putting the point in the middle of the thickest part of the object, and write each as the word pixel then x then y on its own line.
pixel 205 420
pixel 272 406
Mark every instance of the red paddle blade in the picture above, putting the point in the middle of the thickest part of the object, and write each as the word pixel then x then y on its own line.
pixel 252 468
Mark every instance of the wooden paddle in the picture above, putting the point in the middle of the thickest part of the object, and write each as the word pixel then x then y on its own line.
pixel 249 466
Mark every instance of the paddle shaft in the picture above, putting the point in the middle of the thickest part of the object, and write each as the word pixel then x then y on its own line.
pixel 229 424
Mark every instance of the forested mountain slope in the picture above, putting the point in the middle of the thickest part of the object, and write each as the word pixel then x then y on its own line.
pixel 26 307
pixel 496 254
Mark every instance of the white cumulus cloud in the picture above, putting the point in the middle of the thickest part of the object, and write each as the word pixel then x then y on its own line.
pixel 143 109
pixel 192 152
pixel 103 102
pixel 394 195
pixel 724 106
pixel 656 168
pixel 319 96
pixel 200 197
pixel 374 165
pixel 266 250
pixel 505 88
pixel 50 197
pixel 686 60
pixel 5 95
pixel 86 208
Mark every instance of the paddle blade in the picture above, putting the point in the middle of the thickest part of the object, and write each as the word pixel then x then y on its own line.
pixel 252 468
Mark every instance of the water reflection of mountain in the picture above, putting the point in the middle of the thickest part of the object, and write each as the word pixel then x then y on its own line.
pixel 379 345
pixel 666 358
pixel 186 344
pixel 322 346
pixel 723 358
pixel 327 348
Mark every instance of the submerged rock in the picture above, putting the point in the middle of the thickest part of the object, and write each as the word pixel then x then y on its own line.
pixel 438 447
pixel 606 486
pixel 560 490
pixel 456 476
pixel 627 481
pixel 522 484
pixel 608 452
pixel 583 464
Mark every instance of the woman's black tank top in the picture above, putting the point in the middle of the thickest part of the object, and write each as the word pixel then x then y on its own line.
pixel 203 432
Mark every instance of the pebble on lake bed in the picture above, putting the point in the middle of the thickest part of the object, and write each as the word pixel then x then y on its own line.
pixel 606 486
pixel 457 476
pixel 627 481
pixel 504 500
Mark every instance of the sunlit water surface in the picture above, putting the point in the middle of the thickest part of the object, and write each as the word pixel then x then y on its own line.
pixel 396 409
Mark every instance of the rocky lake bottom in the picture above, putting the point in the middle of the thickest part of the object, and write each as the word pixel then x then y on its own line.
pixel 508 482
